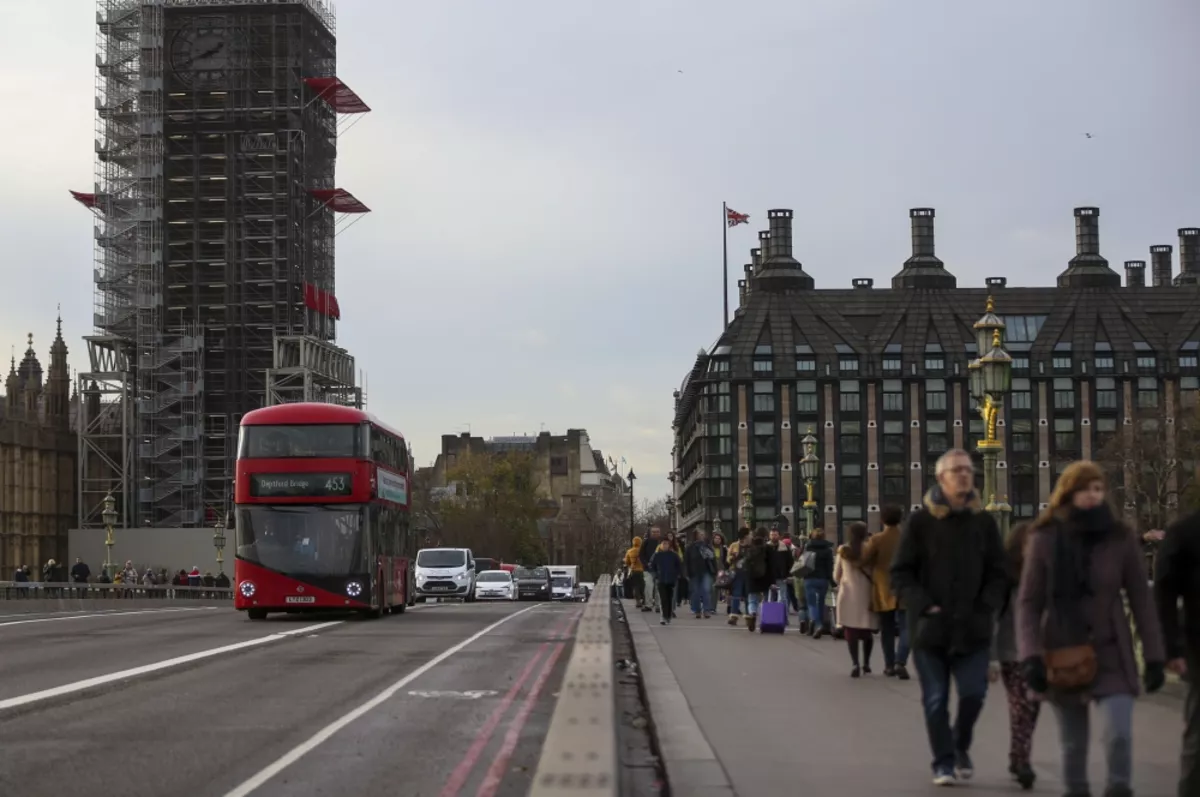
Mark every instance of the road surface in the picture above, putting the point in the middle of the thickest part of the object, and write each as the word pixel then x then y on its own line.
pixel 446 700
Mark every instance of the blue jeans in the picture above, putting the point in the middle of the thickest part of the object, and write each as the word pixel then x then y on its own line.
pixel 737 592
pixel 1116 712
pixel 815 590
pixel 935 669
pixel 702 593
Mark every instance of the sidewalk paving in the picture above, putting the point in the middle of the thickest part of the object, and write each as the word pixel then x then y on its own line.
pixel 751 715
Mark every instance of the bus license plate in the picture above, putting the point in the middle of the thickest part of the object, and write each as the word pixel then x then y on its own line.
pixel 300 599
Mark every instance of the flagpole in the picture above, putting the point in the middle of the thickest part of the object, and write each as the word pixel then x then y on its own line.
pixel 725 258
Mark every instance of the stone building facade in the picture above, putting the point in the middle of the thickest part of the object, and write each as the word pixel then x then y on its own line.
pixel 38 453
pixel 880 378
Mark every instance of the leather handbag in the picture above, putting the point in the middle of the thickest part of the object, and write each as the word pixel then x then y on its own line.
pixel 1071 668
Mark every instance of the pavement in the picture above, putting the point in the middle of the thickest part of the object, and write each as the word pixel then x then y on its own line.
pixel 445 700
pixel 751 715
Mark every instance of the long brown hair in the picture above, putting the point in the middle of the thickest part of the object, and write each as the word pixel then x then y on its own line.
pixel 856 533
pixel 1075 477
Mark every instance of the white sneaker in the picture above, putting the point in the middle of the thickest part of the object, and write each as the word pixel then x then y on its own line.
pixel 944 778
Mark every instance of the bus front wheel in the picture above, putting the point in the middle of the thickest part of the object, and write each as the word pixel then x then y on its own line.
pixel 256 614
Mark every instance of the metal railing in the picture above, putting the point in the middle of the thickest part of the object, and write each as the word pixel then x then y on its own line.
pixel 36 590
pixel 580 753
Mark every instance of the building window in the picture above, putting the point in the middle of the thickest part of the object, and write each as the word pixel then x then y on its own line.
pixel 892 365
pixel 719 445
pixel 893 395
pixel 848 365
pixel 1105 364
pixel 806 366
pixel 975 432
pixel 1106 429
pixel 1022 328
pixel 893 437
pixel 852 512
pixel 721 471
pixel 806 396
pixel 1146 363
pixel 720 366
pixel 851 483
pixel 1106 393
pixel 1187 361
pixel 935 363
pixel 1147 393
pixel 895 481
pixel 1065 441
pixel 1061 362
pixel 763 366
pixel 766 486
pixel 848 396
pixel 935 395
pixel 763 350
pixel 720 488
pixel 720 429
pixel 1022 396
pixel 851 437
pixel 1022 434
pixel 1064 394
pixel 936 440
pixel 764 439
pixel 764 396
pixel 1024 491
pixel 1020 364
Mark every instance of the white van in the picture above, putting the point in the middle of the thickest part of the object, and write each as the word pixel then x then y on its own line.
pixel 562 582
pixel 445 573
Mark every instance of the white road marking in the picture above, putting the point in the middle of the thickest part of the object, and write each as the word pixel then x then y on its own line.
pixel 323 735
pixel 109 614
pixel 146 669
pixel 473 694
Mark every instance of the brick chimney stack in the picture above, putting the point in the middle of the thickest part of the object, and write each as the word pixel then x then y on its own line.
pixel 1160 265
pixel 1135 273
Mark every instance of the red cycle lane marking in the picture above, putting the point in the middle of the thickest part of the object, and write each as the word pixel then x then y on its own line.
pixel 495 773
pixel 491 781
pixel 461 772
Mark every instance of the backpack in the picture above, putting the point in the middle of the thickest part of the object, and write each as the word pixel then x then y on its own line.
pixel 808 564
pixel 756 562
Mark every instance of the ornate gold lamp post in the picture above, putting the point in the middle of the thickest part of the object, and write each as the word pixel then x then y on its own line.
pixel 748 508
pixel 109 516
pixel 810 467
pixel 991 379
pixel 219 544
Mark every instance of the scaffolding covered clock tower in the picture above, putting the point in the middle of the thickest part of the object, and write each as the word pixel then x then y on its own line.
pixel 216 212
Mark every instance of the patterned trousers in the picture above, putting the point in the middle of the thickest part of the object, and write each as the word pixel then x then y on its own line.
pixel 1022 713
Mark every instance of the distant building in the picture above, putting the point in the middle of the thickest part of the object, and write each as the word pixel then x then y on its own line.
pixel 880 377
pixel 37 462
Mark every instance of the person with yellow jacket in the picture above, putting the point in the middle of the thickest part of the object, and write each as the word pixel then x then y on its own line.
pixel 633 563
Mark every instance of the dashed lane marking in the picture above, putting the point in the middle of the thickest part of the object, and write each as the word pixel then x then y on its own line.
pixel 146 669
pixel 109 614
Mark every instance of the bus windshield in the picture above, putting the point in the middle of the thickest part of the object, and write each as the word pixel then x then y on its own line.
pixel 316 440
pixel 303 540
pixel 441 557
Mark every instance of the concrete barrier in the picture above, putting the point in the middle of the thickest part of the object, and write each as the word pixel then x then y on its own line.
pixel 580 753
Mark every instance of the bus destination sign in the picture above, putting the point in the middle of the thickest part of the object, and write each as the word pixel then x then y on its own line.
pixel 298 485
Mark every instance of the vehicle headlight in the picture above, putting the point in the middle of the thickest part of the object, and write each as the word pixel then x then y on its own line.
pixel 247 589
pixel 421 577
pixel 461 577
pixel 354 589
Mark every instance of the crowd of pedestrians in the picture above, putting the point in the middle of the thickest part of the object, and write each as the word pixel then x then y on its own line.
pixel 129 576
pixel 1055 612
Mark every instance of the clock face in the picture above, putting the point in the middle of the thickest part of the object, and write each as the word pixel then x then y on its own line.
pixel 200 55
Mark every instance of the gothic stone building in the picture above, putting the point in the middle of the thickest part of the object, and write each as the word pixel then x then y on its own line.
pixel 37 462
pixel 880 377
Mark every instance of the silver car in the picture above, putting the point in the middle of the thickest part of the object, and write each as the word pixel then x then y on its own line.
pixel 495 585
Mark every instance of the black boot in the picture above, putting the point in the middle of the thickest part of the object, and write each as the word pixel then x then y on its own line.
pixel 1024 775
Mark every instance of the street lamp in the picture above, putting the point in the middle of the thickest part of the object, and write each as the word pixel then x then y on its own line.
pixel 109 516
pixel 219 544
pixel 671 514
pixel 990 379
pixel 631 477
pixel 748 508
pixel 810 467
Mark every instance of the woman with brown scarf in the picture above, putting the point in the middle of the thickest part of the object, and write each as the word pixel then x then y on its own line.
pixel 1073 635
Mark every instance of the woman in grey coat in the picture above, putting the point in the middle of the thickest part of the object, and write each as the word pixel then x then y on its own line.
pixel 1079 560
pixel 1023 709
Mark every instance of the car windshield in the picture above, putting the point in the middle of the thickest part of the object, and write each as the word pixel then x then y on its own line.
pixel 441 557
pixel 494 575
pixel 561 581
pixel 540 573
pixel 303 540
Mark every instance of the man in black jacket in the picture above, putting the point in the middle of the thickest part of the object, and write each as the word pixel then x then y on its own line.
pixel 949 572
pixel 1177 577
pixel 649 582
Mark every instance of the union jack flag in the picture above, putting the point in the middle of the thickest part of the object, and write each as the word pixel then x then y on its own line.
pixel 733 218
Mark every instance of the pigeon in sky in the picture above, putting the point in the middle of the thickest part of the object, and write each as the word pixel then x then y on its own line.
pixel 1087 135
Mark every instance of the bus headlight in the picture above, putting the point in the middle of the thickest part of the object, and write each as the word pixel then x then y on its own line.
pixel 247 589
pixel 354 589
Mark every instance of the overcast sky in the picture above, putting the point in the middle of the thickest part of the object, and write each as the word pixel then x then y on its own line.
pixel 546 177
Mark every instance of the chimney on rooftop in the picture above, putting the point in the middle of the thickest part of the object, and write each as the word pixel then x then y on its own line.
pixel 1160 265
pixel 756 257
pixel 1135 273
pixel 1088 269
pixel 764 249
pixel 863 283
pixel 781 235
pixel 922 231
pixel 1189 256
pixel 996 282
pixel 923 269
pixel 780 271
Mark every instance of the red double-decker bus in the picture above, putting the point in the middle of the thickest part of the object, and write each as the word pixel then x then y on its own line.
pixel 322 522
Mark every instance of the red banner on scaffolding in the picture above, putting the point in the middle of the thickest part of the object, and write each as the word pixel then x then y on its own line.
pixel 337 94
pixel 87 200
pixel 321 301
pixel 339 200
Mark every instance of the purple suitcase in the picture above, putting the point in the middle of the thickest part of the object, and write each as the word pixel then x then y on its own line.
pixel 772 615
